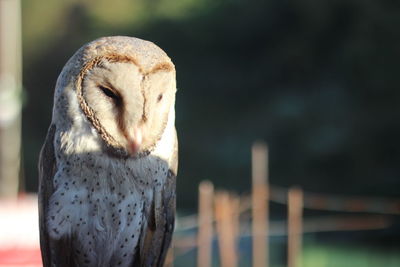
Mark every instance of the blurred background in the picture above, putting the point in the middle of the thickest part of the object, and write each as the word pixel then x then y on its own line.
pixel 316 80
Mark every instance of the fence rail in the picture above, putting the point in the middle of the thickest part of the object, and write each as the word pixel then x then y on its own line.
pixel 222 210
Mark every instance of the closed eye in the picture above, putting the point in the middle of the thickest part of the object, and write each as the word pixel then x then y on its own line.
pixel 109 93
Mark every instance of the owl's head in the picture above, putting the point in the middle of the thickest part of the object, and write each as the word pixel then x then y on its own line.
pixel 125 88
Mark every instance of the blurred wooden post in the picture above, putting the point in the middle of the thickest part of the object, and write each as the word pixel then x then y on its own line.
pixel 10 92
pixel 260 204
pixel 235 213
pixel 295 225
pixel 204 238
pixel 169 260
pixel 224 214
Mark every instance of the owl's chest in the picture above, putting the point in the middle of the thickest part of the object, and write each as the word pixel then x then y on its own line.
pixel 103 208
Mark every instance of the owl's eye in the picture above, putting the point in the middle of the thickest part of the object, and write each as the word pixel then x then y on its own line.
pixel 109 93
pixel 160 96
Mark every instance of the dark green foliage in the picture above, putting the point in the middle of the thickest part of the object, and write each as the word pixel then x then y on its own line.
pixel 317 80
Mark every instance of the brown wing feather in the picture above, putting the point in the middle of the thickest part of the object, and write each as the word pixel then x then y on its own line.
pixel 54 252
pixel 160 224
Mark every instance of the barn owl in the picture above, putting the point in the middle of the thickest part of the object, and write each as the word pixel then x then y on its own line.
pixel 108 165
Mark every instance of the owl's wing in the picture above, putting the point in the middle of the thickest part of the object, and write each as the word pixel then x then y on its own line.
pixel 160 225
pixel 53 251
pixel 46 173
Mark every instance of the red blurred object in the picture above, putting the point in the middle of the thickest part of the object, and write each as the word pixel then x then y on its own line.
pixel 19 232
pixel 20 257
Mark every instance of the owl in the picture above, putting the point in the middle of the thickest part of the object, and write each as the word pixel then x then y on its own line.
pixel 108 166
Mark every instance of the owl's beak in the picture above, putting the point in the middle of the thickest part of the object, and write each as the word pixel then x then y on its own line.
pixel 136 141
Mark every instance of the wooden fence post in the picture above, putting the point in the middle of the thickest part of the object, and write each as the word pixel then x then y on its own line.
pixel 205 234
pixel 169 260
pixel 260 211
pixel 295 225
pixel 225 214
pixel 10 96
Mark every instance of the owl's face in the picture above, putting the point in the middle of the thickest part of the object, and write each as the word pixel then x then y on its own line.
pixel 127 106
